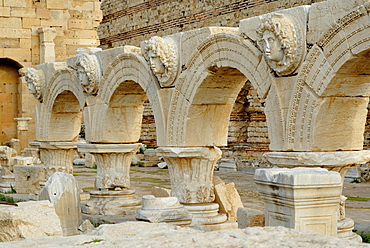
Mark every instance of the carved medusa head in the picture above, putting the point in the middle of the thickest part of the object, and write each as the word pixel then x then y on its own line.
pixel 163 59
pixel 282 48
pixel 88 72
pixel 35 81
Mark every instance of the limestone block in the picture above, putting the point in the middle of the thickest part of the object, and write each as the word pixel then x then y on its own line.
pixel 339 124
pixel 248 217
pixel 300 198
pixel 150 155
pixel 7 155
pixel 62 190
pixel 23 12
pixel 19 160
pixel 227 165
pixel 28 220
pixel 227 198
pixel 55 4
pixel 161 192
pixel 163 209
pixel 5 11
pixel 27 178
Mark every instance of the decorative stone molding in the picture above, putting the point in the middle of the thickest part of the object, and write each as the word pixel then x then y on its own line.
pixel 281 40
pixel 191 172
pixel 113 162
pixel 162 55
pixel 35 82
pixel 47 45
pixel 88 72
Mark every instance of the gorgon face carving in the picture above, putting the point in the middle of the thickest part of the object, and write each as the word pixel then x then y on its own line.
pixel 281 41
pixel 35 81
pixel 88 72
pixel 161 53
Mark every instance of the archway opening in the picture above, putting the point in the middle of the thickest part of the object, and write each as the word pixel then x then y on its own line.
pixel 124 115
pixel 66 118
pixel 209 113
pixel 9 99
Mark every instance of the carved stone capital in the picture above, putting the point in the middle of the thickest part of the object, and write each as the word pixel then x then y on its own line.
pixel 113 162
pixel 35 81
pixel 282 43
pixel 57 156
pixel 191 172
pixel 162 55
pixel 88 72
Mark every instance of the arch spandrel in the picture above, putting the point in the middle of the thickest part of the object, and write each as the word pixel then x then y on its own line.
pixel 58 82
pixel 332 88
pixel 222 51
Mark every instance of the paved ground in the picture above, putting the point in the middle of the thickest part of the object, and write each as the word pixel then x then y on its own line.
pixel 144 178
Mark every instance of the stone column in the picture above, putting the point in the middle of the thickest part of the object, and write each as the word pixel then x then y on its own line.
pixel 113 195
pixel 22 126
pixel 191 175
pixel 57 156
pixel 47 51
pixel 339 161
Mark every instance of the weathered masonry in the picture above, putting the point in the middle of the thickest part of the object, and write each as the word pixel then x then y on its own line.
pixel 34 32
pixel 310 68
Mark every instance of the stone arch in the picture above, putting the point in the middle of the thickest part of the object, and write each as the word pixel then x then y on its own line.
pixel 207 88
pixel 127 83
pixel 59 116
pixel 328 107
pixel 9 92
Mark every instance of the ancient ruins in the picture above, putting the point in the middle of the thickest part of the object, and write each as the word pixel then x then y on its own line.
pixel 310 70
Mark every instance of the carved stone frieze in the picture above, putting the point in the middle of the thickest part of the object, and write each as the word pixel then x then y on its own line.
pixel 88 72
pixel 35 82
pixel 162 55
pixel 191 172
pixel 281 40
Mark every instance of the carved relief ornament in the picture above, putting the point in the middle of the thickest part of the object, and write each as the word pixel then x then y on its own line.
pixel 281 40
pixel 162 55
pixel 88 72
pixel 35 82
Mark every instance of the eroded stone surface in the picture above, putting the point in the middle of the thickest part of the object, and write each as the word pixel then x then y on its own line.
pixel 28 220
pixel 141 234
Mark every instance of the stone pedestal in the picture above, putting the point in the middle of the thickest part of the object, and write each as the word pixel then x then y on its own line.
pixel 339 161
pixel 191 175
pixel 111 202
pixel 113 195
pixel 57 156
pixel 300 198
pixel 163 209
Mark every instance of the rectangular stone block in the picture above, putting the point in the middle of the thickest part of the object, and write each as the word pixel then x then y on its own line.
pixel 56 4
pixel 14 32
pixel 27 178
pixel 43 13
pixel 10 23
pixel 23 12
pixel 19 54
pixel 300 198
pixel 5 11
pixel 29 22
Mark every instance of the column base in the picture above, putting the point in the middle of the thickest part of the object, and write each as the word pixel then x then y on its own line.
pixel 7 184
pixel 345 228
pixel 205 217
pixel 163 209
pixel 111 202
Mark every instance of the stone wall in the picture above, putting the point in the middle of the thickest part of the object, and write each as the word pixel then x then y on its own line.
pixel 74 22
pixel 129 22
